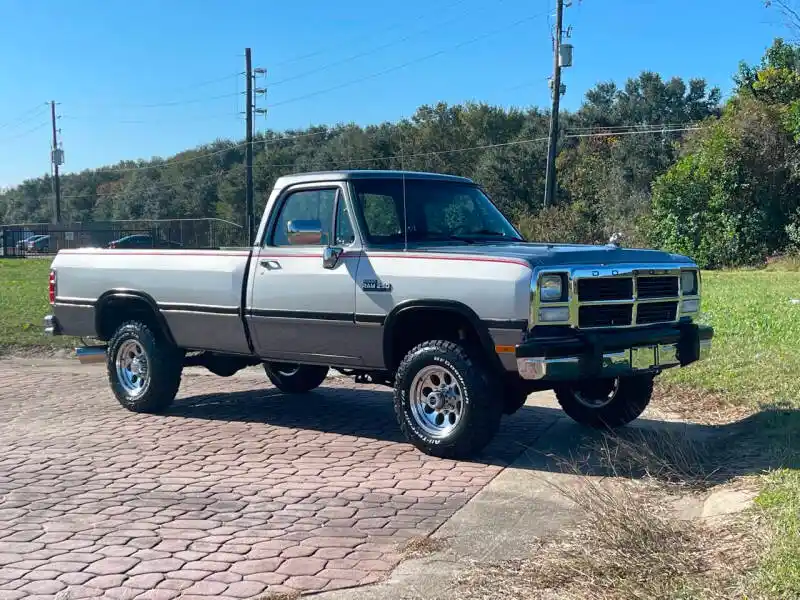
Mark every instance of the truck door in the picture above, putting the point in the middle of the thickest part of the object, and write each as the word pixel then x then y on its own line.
pixel 299 309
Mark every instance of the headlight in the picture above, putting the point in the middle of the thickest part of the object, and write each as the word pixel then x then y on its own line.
pixel 551 288
pixel 689 283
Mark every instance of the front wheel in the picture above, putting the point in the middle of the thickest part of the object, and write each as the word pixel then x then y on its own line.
pixel 443 401
pixel 295 379
pixel 606 403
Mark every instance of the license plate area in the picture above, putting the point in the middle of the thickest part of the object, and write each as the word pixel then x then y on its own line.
pixel 644 358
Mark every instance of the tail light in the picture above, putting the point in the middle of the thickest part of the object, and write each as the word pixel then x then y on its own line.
pixel 52 287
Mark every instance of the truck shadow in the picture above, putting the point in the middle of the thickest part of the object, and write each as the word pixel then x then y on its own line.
pixel 537 437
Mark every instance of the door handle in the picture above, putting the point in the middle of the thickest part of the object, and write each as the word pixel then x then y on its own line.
pixel 270 264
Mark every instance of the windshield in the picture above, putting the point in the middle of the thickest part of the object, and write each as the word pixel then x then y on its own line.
pixel 435 210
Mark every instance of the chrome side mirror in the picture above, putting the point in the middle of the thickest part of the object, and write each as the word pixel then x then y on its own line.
pixel 331 256
pixel 304 232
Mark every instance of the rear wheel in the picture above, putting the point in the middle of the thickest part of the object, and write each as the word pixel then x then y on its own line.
pixel 295 379
pixel 606 403
pixel 443 401
pixel 144 371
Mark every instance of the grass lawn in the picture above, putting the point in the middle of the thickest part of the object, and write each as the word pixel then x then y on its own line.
pixel 756 361
pixel 24 303
pixel 756 353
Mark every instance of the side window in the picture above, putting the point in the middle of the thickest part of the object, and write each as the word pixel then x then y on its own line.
pixel 380 215
pixel 306 205
pixel 344 225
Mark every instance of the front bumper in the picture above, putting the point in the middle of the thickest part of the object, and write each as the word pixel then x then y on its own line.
pixel 564 355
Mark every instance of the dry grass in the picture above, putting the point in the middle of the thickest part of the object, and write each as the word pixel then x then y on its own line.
pixel 417 547
pixel 666 456
pixel 625 547
pixel 697 405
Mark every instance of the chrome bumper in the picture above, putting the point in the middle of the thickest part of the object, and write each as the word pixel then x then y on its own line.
pixel 618 363
pixel 51 326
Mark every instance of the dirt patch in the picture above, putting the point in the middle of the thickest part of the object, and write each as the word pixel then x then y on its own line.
pixel 420 546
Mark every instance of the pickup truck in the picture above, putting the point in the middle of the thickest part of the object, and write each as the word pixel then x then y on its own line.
pixel 412 280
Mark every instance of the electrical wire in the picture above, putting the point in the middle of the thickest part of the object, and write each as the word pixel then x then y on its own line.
pixel 374 49
pixel 403 65
pixel 26 132
pixel 402 25
pixel 26 116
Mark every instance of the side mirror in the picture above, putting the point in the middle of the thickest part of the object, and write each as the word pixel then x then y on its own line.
pixel 331 256
pixel 304 232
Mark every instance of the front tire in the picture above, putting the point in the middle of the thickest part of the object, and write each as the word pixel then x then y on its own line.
pixel 295 379
pixel 144 371
pixel 606 403
pixel 443 401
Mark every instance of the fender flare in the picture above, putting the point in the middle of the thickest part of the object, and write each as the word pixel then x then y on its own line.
pixel 451 306
pixel 107 298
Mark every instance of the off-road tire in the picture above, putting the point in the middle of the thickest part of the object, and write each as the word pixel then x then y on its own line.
pixel 164 363
pixel 299 379
pixel 481 409
pixel 630 401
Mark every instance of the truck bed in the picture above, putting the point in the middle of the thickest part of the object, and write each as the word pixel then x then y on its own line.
pixel 199 292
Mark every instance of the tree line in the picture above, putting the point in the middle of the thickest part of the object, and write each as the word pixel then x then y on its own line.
pixel 666 163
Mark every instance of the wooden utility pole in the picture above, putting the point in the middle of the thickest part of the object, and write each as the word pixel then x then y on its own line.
pixel 56 159
pixel 552 143
pixel 251 234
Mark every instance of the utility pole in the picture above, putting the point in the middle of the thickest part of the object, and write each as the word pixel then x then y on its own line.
pixel 57 158
pixel 251 234
pixel 550 176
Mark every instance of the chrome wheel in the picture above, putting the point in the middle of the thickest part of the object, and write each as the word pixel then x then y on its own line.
pixel 597 393
pixel 436 401
pixel 133 373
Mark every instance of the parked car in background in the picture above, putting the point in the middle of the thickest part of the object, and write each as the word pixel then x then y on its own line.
pixel 29 237
pixel 39 243
pixel 142 241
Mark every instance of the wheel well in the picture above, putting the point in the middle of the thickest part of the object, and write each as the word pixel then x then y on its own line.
pixel 114 310
pixel 416 325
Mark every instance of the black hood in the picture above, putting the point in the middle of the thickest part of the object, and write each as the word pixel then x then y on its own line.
pixel 545 255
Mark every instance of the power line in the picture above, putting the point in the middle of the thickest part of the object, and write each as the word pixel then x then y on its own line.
pixel 326 49
pixel 26 116
pixel 41 125
pixel 372 50
pixel 402 65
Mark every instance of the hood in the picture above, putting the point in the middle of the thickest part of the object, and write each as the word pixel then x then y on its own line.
pixel 546 255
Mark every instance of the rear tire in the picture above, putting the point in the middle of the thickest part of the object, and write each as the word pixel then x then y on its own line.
pixel 144 371
pixel 295 379
pixel 443 401
pixel 606 403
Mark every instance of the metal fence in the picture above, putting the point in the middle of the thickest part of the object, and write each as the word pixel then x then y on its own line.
pixel 31 239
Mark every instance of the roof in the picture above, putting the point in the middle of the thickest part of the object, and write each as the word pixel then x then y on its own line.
pixel 315 176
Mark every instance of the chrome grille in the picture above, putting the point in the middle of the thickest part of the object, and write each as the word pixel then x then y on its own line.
pixel 656 312
pixel 657 287
pixel 605 315
pixel 607 288
pixel 624 300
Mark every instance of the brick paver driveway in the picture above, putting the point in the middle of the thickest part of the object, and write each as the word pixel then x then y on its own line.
pixel 239 490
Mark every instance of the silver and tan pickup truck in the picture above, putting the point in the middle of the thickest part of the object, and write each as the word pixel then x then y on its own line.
pixel 412 280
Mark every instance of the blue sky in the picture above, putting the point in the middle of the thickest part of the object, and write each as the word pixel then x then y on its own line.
pixel 365 61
